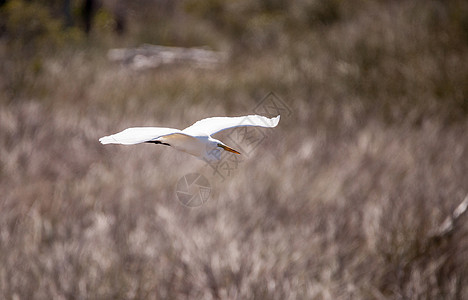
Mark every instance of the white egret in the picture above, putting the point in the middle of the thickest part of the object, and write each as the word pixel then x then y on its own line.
pixel 195 140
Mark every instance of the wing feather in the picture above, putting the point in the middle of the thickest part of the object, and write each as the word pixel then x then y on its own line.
pixel 213 125
pixel 136 135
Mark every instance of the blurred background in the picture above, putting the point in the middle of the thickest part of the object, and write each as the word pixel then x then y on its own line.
pixel 343 200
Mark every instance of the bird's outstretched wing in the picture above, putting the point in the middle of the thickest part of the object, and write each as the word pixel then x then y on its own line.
pixel 213 125
pixel 136 135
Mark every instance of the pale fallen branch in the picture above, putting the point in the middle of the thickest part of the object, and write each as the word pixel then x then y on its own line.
pixel 153 56
pixel 450 223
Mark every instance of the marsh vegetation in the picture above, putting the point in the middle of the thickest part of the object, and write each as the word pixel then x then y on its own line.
pixel 340 201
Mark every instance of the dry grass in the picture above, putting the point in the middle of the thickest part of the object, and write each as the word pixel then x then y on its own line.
pixel 339 201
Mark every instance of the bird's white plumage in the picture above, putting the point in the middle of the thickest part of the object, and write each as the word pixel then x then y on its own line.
pixel 137 135
pixel 195 139
pixel 210 126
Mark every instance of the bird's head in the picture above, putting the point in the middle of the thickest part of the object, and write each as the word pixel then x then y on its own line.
pixel 214 148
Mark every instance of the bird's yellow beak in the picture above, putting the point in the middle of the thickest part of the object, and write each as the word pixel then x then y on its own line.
pixel 228 149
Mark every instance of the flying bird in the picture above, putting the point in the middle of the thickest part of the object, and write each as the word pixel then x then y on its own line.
pixel 195 139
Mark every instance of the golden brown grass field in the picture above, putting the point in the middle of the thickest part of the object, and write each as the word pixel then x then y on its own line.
pixel 342 200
